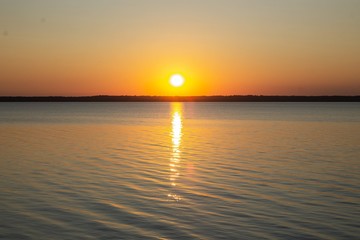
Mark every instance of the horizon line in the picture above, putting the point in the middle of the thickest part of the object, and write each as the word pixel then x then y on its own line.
pixel 213 95
pixel 211 98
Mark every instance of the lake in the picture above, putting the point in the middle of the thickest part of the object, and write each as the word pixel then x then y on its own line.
pixel 179 170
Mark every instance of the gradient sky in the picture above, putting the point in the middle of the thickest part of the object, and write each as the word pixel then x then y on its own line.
pixel 131 47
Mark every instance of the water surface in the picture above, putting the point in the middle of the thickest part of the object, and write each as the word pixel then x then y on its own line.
pixel 179 170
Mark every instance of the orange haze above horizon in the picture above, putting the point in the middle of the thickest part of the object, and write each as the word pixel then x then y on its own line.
pixel 220 47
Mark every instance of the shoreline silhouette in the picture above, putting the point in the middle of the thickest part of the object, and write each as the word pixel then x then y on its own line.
pixel 216 98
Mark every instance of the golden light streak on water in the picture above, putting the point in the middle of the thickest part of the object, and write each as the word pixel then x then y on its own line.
pixel 175 159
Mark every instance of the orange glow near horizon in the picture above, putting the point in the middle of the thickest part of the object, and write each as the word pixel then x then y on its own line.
pixel 158 82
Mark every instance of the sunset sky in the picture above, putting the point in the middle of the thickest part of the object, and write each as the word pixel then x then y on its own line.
pixel 132 47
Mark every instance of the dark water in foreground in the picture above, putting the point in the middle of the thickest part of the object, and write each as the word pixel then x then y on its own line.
pixel 179 171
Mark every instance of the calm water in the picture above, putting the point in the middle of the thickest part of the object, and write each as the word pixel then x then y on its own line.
pixel 179 170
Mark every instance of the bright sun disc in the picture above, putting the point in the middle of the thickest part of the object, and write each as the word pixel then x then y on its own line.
pixel 177 80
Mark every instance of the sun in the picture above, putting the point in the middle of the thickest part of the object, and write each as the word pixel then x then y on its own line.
pixel 177 80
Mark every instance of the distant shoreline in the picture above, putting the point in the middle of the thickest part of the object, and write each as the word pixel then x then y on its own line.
pixel 233 98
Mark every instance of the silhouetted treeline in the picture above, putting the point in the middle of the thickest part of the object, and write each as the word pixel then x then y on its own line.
pixel 234 98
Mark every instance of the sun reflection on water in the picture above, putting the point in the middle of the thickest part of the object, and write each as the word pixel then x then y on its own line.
pixel 176 134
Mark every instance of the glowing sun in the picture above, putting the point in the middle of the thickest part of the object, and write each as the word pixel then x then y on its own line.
pixel 177 80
